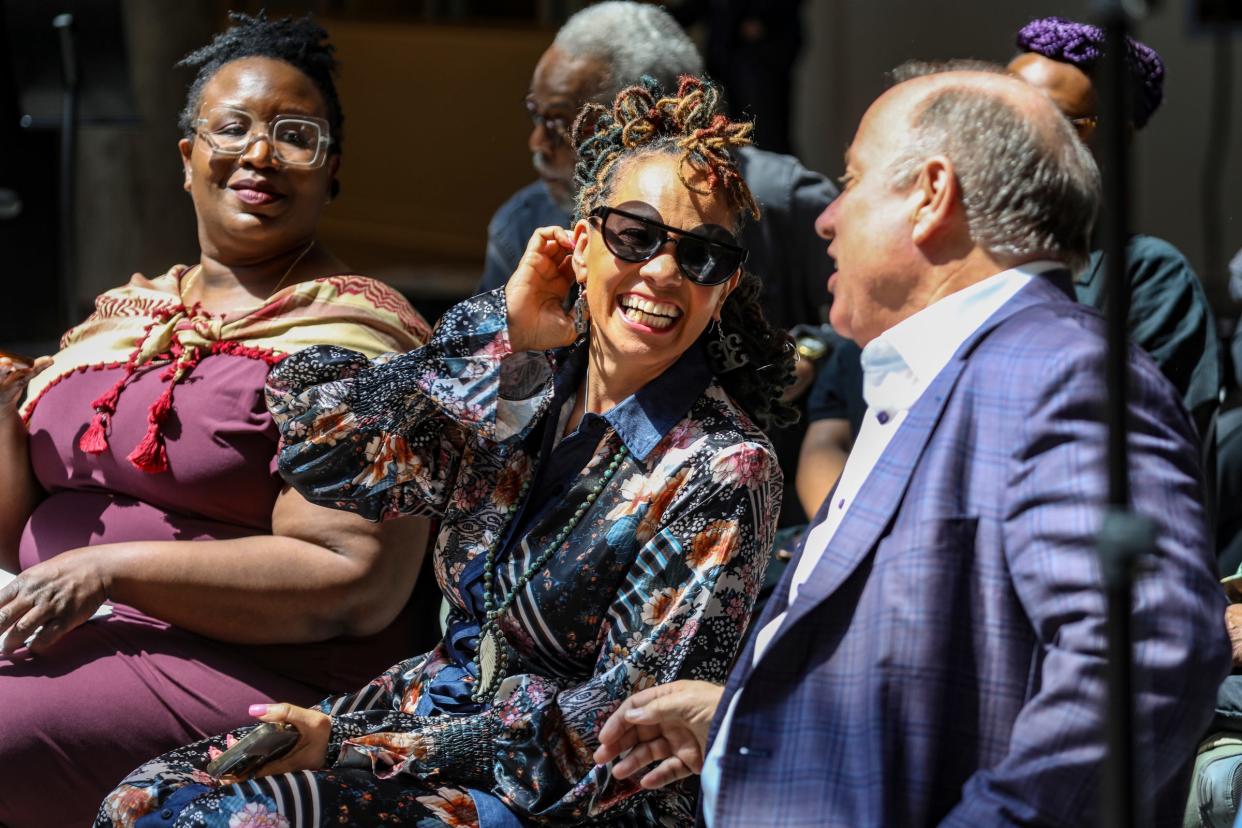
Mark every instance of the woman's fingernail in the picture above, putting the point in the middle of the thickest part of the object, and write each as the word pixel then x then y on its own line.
pixel 258 709
pixel 634 713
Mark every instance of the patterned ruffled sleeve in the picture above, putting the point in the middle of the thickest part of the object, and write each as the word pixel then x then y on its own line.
pixel 384 438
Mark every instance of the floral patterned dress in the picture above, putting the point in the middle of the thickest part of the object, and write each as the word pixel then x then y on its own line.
pixel 654 582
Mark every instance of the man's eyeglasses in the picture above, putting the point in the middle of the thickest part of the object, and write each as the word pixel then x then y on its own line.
pixel 296 140
pixel 707 255
pixel 1085 125
pixel 557 128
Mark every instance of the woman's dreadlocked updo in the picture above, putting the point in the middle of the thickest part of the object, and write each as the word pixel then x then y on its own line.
pixel 644 121
pixel 300 42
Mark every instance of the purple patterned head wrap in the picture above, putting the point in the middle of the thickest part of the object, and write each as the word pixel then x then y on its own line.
pixel 1082 45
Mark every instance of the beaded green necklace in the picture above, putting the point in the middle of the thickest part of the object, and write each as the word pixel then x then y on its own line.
pixel 493 656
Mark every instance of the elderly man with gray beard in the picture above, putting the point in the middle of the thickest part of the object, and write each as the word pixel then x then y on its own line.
pixel 935 653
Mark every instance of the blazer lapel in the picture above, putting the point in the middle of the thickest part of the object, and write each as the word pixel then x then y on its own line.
pixel 881 494
pixel 876 504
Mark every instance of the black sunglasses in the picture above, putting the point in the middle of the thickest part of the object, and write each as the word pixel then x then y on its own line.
pixel 707 255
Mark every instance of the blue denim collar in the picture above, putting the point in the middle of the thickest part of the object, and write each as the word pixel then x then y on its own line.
pixel 644 418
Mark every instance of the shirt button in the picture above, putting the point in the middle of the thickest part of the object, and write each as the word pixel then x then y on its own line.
pixel 166 813
pixel 841 503
pixel 882 417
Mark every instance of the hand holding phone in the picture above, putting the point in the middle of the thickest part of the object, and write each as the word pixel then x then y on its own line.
pixel 266 742
pixel 289 739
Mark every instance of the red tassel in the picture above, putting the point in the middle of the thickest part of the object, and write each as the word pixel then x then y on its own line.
pixel 95 439
pixel 150 456
pixel 107 400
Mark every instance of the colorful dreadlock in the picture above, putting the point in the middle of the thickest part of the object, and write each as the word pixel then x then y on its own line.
pixel 643 120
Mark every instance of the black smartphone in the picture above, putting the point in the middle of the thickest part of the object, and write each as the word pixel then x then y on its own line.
pixel 258 747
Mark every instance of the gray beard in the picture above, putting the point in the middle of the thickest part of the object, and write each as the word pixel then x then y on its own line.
pixel 562 200
pixel 566 203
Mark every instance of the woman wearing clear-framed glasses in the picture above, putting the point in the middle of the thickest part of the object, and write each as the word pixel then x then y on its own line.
pixel 138 463
pixel 606 496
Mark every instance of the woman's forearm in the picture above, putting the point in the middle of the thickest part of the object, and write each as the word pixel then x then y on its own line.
pixel 261 589
pixel 21 491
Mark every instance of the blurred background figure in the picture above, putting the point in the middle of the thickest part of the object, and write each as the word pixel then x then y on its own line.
pixel 752 48
pixel 1170 317
pixel 834 414
pixel 140 468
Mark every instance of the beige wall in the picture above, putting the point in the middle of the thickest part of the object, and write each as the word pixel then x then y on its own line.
pixel 435 142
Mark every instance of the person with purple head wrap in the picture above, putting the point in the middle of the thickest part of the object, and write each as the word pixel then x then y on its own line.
pixel 1170 317
pixel 1082 45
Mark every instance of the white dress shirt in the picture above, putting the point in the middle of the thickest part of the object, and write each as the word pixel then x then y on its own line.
pixel 898 366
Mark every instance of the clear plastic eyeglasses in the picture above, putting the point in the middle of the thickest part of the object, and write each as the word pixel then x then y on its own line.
pixel 296 140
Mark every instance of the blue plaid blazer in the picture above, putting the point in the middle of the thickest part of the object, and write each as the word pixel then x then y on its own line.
pixel 944 664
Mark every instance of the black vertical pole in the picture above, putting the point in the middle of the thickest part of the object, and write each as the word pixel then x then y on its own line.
pixel 1116 556
pixel 1125 536
pixel 63 23
pixel 1114 88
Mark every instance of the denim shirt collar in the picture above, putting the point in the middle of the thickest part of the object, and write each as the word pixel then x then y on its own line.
pixel 644 418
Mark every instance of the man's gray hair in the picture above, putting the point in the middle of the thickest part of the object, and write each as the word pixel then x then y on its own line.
pixel 1029 187
pixel 632 39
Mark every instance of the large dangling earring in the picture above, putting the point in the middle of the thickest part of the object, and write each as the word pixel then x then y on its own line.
pixel 725 351
pixel 581 312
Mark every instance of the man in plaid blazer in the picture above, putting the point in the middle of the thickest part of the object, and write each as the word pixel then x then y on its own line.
pixel 935 654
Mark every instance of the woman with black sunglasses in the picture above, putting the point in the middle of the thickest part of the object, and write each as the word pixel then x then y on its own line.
pixel 606 503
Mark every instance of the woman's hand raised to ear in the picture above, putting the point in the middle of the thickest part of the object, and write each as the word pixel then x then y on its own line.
pixel 535 293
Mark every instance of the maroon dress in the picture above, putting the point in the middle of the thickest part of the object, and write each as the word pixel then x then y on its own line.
pixel 122 689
